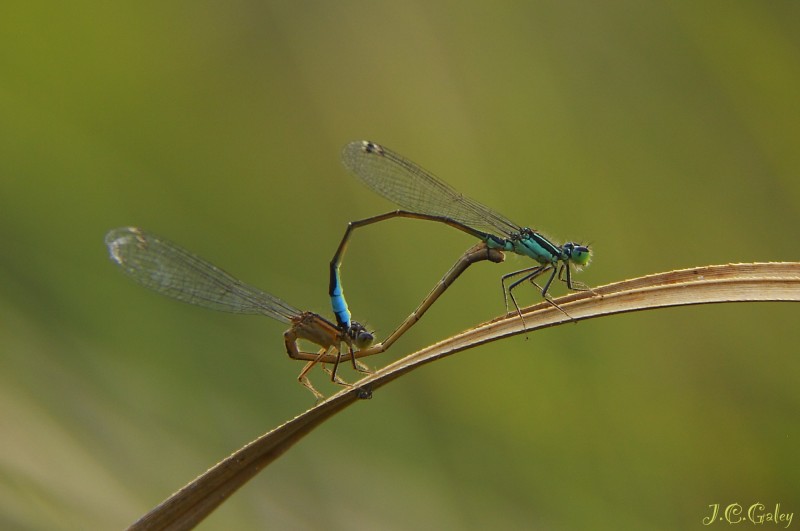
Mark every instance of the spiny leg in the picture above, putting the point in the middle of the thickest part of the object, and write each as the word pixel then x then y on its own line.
pixel 356 365
pixel 334 377
pixel 303 378
pixel 321 355
pixel 290 339
pixel 534 272
pixel 546 288
pixel 573 284
pixel 362 367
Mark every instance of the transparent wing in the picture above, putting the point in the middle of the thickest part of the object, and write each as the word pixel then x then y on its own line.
pixel 172 271
pixel 412 188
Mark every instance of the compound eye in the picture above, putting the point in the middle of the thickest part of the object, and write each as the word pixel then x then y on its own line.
pixel 364 339
pixel 580 255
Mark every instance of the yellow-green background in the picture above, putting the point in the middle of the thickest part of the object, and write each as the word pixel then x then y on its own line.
pixel 666 134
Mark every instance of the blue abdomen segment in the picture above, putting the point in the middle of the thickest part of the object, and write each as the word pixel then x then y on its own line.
pixel 338 302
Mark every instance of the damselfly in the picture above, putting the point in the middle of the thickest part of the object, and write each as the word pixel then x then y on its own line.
pixel 423 196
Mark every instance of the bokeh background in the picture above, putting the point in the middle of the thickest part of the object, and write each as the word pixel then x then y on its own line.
pixel 666 134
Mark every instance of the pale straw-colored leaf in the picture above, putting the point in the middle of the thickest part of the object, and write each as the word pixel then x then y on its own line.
pixel 759 282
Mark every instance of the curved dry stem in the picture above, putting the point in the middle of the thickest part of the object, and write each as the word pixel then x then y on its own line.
pixel 703 285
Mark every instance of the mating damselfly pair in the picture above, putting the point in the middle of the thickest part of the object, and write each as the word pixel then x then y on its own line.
pixel 170 270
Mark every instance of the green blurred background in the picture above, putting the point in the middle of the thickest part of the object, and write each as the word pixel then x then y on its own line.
pixel 664 134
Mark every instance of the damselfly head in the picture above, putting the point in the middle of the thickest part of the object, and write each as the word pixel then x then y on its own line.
pixel 579 255
pixel 362 338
